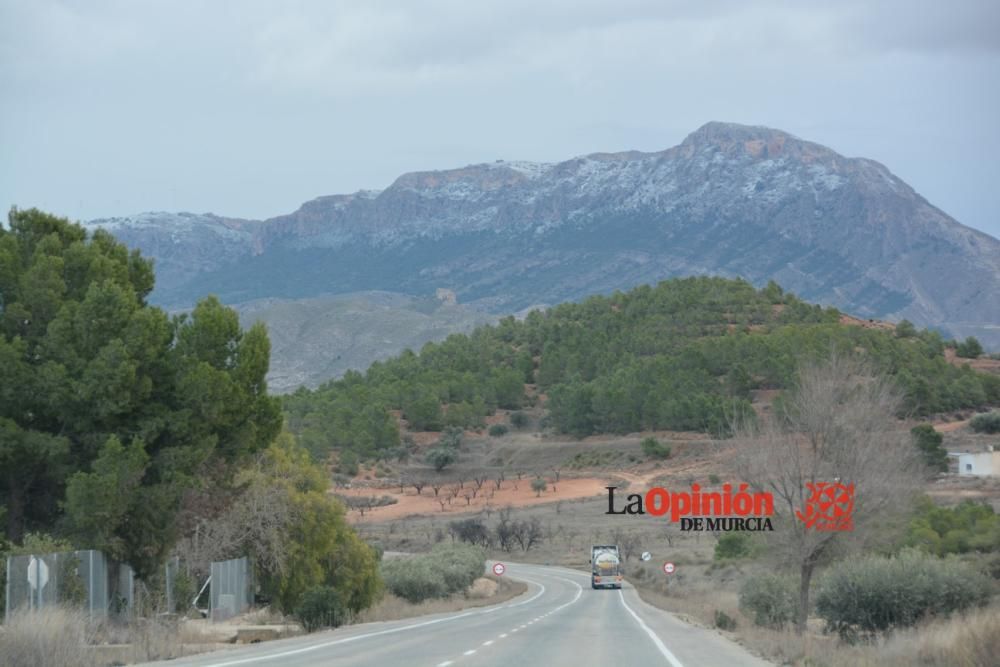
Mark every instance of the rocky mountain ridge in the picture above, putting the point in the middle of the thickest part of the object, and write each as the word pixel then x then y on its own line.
pixel 731 200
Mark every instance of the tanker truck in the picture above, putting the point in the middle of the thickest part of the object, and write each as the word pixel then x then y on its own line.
pixel 605 566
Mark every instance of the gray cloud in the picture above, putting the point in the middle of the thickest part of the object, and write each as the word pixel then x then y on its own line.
pixel 249 108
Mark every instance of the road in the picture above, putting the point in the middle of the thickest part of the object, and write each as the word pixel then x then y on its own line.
pixel 559 621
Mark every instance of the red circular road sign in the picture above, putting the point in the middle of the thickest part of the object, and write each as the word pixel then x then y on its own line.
pixel 499 568
pixel 668 568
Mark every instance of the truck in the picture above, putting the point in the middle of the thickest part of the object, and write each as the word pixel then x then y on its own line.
pixel 605 566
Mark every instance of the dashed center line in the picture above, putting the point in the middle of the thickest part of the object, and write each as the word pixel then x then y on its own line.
pixel 502 635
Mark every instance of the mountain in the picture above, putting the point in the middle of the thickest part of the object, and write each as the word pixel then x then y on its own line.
pixel 730 200
pixel 315 339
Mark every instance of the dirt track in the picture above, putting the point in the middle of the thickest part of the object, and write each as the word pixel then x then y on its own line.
pixel 409 502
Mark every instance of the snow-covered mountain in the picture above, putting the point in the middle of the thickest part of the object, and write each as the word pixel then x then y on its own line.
pixel 730 200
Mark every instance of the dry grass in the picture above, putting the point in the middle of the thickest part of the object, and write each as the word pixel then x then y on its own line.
pixel 971 640
pixel 48 637
pixel 392 608
pixel 67 637
pixel 265 616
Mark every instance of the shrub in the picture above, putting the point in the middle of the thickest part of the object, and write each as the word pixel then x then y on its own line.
pixel 928 441
pixel 654 449
pixel 320 607
pixel 988 422
pixel 445 570
pixel 415 579
pixel 473 531
pixel 733 545
pixel 518 419
pixel 875 594
pixel 184 591
pixel 441 457
pixel 724 621
pixel 347 463
pixel 969 526
pixel 905 329
pixel 497 430
pixel 714 479
pixel 72 590
pixel 970 348
pixel 770 599
pixel 538 485
pixel 451 438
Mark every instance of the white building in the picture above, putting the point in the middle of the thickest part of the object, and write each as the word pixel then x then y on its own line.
pixel 979 463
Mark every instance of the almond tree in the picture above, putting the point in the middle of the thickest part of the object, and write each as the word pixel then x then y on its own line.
pixel 837 425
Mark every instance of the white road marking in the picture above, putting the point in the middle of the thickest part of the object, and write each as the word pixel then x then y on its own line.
pixel 503 635
pixel 671 658
pixel 445 663
pixel 488 642
pixel 470 651
pixel 313 647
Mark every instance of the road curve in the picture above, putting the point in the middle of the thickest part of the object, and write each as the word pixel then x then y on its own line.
pixel 559 621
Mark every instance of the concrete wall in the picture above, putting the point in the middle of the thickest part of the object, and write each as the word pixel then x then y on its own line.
pixel 982 464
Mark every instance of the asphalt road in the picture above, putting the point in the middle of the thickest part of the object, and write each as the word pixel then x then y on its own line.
pixel 559 621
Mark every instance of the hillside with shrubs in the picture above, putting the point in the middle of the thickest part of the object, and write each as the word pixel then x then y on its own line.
pixel 684 355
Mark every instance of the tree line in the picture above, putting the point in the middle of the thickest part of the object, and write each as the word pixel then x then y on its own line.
pixel 685 354
pixel 138 433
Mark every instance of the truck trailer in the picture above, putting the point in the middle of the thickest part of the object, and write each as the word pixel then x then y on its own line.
pixel 605 566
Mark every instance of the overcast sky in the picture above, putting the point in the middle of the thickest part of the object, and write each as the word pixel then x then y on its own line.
pixel 250 108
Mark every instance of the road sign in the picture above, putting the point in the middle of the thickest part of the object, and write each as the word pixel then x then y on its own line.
pixel 668 568
pixel 645 556
pixel 499 569
pixel 38 573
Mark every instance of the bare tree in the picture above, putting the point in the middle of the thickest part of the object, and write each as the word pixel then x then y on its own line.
pixel 437 487
pixel 480 480
pixel 627 543
pixel 528 533
pixel 505 530
pixel 418 485
pixel 498 481
pixel 838 427
pixel 256 523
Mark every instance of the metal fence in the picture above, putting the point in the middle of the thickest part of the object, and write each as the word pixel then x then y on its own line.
pixel 230 591
pixel 83 578
pixel 170 572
